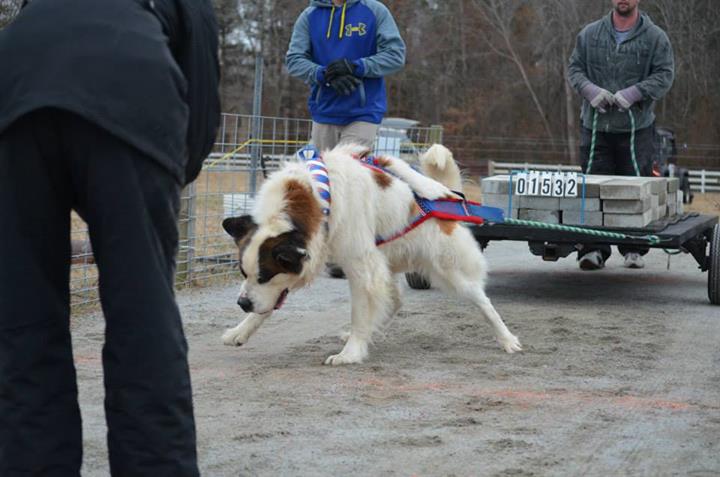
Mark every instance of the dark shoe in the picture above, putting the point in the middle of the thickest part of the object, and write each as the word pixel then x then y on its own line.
pixel 592 261
pixel 634 260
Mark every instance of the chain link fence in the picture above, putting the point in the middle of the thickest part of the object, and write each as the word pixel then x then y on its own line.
pixel 247 150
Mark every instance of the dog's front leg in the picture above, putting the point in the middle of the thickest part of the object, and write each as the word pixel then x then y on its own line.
pixel 239 335
pixel 356 346
pixel 374 297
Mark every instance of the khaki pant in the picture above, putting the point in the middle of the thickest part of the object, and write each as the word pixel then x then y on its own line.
pixel 327 136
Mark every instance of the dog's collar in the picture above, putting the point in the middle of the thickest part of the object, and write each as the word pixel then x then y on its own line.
pixel 310 155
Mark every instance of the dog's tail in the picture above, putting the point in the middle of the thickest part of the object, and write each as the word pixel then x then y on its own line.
pixel 438 163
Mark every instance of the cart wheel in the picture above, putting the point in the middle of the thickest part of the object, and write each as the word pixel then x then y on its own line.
pixel 714 270
pixel 417 281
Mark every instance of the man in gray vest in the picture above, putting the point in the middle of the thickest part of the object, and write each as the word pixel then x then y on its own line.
pixel 622 64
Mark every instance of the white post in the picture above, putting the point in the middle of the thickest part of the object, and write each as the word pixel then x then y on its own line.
pixel 702 181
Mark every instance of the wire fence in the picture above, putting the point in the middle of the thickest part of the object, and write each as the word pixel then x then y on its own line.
pixel 248 148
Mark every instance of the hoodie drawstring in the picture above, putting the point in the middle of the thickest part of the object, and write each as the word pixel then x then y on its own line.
pixel 342 21
pixel 332 15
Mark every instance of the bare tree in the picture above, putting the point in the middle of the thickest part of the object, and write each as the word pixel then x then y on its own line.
pixel 499 15
pixel 8 10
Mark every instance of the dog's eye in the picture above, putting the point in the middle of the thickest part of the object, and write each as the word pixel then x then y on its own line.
pixel 262 278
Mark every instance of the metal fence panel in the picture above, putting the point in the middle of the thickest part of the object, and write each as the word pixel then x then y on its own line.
pixel 226 187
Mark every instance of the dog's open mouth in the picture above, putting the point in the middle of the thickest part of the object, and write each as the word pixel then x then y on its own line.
pixel 281 299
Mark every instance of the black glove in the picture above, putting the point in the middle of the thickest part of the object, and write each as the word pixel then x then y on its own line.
pixel 337 68
pixel 345 85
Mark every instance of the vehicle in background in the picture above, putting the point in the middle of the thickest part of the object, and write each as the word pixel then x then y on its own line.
pixel 393 139
pixel 665 161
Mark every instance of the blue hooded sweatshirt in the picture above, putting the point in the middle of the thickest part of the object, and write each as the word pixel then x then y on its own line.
pixel 364 32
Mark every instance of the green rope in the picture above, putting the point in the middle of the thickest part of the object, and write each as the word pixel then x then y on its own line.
pixel 652 239
pixel 593 141
pixel 632 143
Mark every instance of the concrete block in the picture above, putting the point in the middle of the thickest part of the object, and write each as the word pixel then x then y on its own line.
pixel 538 202
pixel 662 196
pixel 673 184
pixel 572 217
pixel 672 209
pixel 657 184
pixel 628 220
pixel 575 204
pixel 680 205
pixel 496 185
pixel 654 201
pixel 657 213
pixel 592 185
pixel 498 200
pixel 547 216
pixel 627 206
pixel 624 189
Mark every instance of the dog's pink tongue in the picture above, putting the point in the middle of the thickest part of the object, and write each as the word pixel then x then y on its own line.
pixel 281 300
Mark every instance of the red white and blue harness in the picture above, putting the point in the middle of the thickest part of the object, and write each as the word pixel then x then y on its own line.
pixel 460 209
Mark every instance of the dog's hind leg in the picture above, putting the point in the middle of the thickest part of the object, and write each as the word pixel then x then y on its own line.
pixel 509 342
pixel 239 335
pixel 466 277
pixel 374 296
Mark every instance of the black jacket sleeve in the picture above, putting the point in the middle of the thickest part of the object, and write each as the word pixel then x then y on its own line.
pixel 194 42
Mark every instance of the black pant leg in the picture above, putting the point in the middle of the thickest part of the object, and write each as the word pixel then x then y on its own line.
pixel 643 144
pixel 131 206
pixel 40 428
pixel 602 164
pixel 603 159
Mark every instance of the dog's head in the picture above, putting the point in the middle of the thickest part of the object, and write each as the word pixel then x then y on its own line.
pixel 277 244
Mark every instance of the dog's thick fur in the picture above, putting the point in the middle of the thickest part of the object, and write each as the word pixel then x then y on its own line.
pixel 438 162
pixel 284 246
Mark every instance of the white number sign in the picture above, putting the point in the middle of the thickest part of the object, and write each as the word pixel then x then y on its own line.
pixel 548 184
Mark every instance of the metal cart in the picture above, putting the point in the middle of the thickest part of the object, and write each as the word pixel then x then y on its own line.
pixel 698 235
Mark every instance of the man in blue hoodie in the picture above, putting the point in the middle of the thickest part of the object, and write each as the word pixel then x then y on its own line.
pixel 342 49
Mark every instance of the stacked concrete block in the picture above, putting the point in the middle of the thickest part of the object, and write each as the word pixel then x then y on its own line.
pixel 635 202
pixel 495 194
pixel 610 201
pixel 572 207
pixel 540 215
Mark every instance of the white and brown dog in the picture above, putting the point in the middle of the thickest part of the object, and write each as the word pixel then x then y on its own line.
pixel 285 243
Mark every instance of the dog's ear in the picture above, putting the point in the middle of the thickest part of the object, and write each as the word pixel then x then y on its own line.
pixel 290 257
pixel 239 227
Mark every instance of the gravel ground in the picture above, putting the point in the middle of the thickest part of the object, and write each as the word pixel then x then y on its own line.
pixel 620 376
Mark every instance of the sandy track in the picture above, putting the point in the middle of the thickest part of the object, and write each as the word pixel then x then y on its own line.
pixel 620 376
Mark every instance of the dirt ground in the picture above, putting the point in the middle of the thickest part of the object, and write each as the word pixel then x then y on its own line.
pixel 620 376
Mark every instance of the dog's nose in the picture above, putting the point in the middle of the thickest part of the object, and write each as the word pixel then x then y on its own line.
pixel 245 304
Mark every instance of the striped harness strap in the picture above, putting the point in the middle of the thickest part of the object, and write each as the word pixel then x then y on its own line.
pixel 310 155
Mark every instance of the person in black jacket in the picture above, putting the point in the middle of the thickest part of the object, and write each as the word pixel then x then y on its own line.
pixel 107 108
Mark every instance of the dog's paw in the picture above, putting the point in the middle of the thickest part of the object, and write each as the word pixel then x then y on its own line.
pixel 355 351
pixel 342 358
pixel 234 337
pixel 510 343
pixel 432 190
